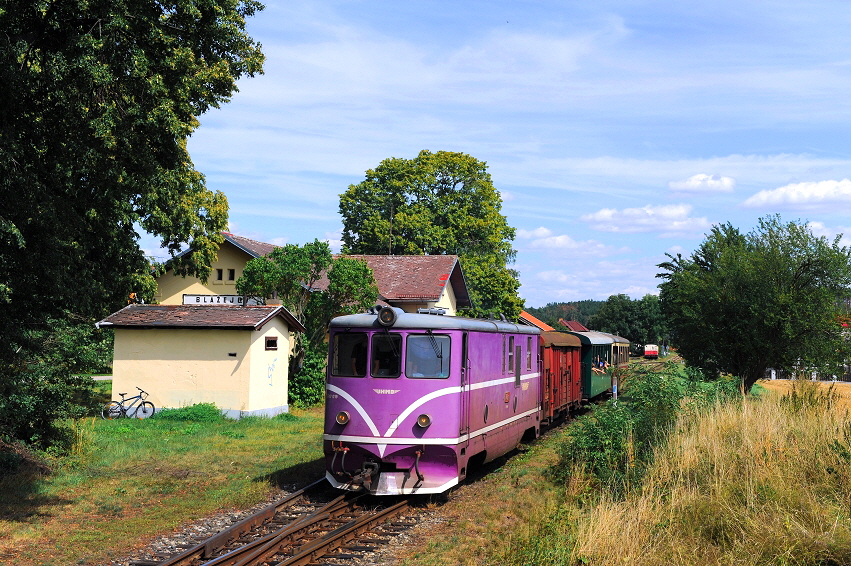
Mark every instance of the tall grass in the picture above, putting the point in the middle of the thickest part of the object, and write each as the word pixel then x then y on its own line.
pixel 760 481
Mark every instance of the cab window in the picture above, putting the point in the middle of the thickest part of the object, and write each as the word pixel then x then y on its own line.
pixel 386 355
pixel 349 354
pixel 427 356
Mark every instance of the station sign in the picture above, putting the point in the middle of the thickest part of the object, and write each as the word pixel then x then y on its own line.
pixel 224 300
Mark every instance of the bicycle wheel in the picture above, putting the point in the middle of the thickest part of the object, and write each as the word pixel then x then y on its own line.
pixel 143 411
pixel 112 411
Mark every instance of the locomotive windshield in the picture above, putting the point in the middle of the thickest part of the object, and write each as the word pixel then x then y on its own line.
pixel 427 356
pixel 386 355
pixel 348 355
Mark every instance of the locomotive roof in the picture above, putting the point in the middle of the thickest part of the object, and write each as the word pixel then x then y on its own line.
pixel 416 321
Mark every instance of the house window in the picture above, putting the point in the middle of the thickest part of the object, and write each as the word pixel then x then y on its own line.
pixel 271 342
pixel 219 274
pixel 231 274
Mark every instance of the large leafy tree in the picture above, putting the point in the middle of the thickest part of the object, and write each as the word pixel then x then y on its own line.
pixel 98 100
pixel 771 298
pixel 294 275
pixel 437 203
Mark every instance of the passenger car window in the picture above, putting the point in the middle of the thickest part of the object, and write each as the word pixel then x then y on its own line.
pixel 386 355
pixel 349 354
pixel 427 356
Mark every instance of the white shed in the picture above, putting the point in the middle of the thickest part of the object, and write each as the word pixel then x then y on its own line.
pixel 234 356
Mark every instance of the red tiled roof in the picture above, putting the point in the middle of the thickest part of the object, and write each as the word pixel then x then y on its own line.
pixel 199 316
pixel 532 321
pixel 413 278
pixel 251 247
pixel 573 325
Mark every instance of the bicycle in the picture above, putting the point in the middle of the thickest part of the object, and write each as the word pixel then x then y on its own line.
pixel 137 409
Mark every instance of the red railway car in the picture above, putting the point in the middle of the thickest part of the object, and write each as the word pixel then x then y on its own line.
pixel 562 381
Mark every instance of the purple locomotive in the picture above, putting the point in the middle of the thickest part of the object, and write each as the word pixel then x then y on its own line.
pixel 414 400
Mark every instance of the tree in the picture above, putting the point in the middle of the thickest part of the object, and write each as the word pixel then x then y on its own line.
pixel 639 320
pixel 437 203
pixel 293 274
pixel 580 311
pixel 97 103
pixel 745 302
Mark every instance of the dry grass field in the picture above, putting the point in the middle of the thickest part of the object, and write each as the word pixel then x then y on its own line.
pixel 840 388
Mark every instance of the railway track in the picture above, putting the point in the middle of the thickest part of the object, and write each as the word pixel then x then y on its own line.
pixel 305 527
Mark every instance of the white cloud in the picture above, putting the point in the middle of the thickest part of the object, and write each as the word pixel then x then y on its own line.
pixel 703 183
pixel 335 240
pixel 820 229
pixel 669 220
pixel 540 232
pixel 810 194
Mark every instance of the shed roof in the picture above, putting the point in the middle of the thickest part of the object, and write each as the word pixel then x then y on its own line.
pixel 527 318
pixel 199 316
pixel 573 325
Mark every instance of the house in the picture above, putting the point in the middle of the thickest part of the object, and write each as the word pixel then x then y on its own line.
pixel 408 282
pixel 413 282
pixel 220 288
pixel 233 356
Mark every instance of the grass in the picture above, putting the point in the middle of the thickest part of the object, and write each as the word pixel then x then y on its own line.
pixel 760 480
pixel 512 515
pixel 127 479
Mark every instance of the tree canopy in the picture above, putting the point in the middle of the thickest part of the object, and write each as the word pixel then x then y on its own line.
pixel 580 311
pixel 292 274
pixel 742 303
pixel 639 320
pixel 98 100
pixel 437 203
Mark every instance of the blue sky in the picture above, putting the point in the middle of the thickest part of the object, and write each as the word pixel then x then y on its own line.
pixel 615 131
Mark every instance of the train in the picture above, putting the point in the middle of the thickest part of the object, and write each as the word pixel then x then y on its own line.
pixel 651 351
pixel 416 400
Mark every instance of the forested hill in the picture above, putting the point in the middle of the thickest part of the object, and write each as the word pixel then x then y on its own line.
pixel 576 310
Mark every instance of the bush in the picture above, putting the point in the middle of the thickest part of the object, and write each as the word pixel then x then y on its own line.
pixel 307 385
pixel 199 412
pixel 615 443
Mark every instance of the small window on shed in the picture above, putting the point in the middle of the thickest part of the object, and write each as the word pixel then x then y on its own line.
pixel 271 342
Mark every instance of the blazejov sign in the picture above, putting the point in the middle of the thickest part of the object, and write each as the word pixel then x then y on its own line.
pixel 229 300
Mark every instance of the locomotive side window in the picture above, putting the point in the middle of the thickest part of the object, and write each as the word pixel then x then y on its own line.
pixel 427 356
pixel 386 355
pixel 511 354
pixel 349 354
pixel 528 352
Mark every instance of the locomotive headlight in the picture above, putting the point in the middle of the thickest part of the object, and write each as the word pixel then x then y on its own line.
pixel 342 418
pixel 423 421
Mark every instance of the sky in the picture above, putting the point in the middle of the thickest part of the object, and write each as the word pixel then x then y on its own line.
pixel 616 132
